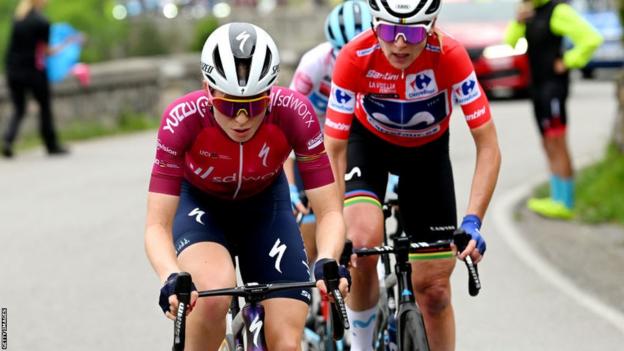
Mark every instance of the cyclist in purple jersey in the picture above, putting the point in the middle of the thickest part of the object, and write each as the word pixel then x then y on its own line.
pixel 218 190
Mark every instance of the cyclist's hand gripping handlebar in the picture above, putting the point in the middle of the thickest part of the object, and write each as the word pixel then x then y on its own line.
pixel 461 240
pixel 339 311
pixel 183 288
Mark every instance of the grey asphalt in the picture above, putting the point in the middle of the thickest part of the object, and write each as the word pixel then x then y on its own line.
pixel 74 276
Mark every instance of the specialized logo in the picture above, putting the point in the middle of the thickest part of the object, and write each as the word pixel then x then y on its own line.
pixel 278 250
pixel 355 171
pixel 255 327
pixel 420 84
pixel 242 38
pixel 264 152
pixel 467 90
pixel 198 213
pixel 342 100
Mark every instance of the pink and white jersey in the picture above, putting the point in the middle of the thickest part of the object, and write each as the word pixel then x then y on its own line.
pixel 192 146
pixel 313 77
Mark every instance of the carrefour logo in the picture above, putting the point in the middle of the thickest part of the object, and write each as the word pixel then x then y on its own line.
pixel 342 97
pixel 420 84
pixel 342 100
pixel 422 81
pixel 467 90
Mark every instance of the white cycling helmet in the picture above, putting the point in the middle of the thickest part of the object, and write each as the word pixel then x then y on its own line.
pixel 240 59
pixel 405 11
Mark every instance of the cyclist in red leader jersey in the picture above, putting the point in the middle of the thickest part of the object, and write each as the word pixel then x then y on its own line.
pixel 218 189
pixel 400 80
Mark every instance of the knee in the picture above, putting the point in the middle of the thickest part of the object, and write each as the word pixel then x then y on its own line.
pixel 288 342
pixel 434 298
pixel 211 311
pixel 366 265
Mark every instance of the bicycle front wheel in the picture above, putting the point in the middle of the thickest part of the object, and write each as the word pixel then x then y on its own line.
pixel 413 336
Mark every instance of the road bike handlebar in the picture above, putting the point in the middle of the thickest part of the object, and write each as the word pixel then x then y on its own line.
pixel 255 291
pixel 460 239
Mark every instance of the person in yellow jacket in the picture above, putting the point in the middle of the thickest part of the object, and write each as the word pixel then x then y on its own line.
pixel 544 24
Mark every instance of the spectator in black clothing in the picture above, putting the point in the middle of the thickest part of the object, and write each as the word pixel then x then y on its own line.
pixel 26 71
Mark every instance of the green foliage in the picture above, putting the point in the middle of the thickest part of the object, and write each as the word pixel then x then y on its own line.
pixel 203 29
pixel 600 190
pixel 145 39
pixel 106 38
pixel 94 18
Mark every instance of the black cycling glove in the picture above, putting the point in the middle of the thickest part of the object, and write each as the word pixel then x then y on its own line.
pixel 169 289
pixel 343 272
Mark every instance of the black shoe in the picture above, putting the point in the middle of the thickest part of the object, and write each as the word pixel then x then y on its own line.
pixel 7 151
pixel 58 151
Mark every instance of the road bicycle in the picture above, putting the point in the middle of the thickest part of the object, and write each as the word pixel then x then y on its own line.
pixel 247 332
pixel 402 327
pixel 323 331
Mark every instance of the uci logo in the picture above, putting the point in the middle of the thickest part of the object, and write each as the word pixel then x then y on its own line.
pixel 342 97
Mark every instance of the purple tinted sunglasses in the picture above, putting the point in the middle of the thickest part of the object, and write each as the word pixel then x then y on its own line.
pixel 412 34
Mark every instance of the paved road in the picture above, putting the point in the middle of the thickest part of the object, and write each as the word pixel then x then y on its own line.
pixel 73 273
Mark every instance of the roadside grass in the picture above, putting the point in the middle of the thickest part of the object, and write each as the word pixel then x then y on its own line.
pixel 599 190
pixel 85 130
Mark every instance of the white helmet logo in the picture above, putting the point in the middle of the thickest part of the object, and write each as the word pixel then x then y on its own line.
pixel 242 38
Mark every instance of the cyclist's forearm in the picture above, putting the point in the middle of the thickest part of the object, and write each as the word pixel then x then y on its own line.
pixel 337 152
pixel 330 226
pixel 486 170
pixel 330 234
pixel 160 251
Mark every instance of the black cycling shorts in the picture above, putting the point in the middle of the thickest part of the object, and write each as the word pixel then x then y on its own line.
pixel 549 107
pixel 261 231
pixel 426 190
